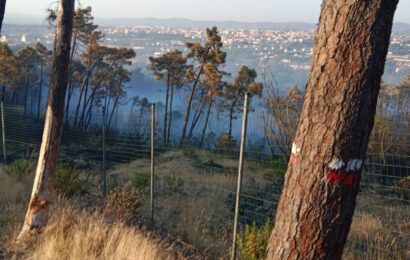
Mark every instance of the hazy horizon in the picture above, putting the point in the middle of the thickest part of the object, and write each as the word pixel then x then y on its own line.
pixel 202 11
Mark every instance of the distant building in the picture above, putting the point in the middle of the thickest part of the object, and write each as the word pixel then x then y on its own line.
pixel 24 38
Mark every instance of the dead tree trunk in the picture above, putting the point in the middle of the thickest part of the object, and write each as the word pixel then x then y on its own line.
pixel 37 213
pixel 318 200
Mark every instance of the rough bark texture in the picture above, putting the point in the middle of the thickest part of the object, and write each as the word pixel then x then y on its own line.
pixel 37 213
pixel 2 11
pixel 319 197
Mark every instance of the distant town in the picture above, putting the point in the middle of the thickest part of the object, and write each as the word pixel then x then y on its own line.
pixel 284 52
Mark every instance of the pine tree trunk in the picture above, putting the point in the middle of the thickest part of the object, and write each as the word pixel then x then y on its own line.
pixel 231 117
pixel 25 96
pixel 2 11
pixel 191 96
pixel 318 200
pixel 40 90
pixel 114 106
pixel 38 208
pixel 170 113
pixel 208 112
pixel 70 87
pixel 166 110
pixel 77 110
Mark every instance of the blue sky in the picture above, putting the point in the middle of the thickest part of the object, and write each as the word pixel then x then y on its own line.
pixel 239 10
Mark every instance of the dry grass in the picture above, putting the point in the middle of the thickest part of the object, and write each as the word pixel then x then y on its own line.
pixel 73 235
pixel 194 201
pixel 194 191
pixel 196 196
pixel 14 196
pixel 78 234
pixel 378 231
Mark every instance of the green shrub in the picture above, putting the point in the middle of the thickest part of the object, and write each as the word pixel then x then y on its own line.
pixel 19 169
pixel 254 243
pixel 141 180
pixel 68 181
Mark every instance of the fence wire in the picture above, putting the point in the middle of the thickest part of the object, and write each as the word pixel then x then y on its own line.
pixel 195 185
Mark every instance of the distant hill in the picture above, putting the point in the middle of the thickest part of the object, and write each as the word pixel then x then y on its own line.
pixel 187 23
pixel 23 19
pixel 401 28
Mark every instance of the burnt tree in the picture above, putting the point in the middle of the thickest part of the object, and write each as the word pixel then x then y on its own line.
pixel 322 181
pixel 38 208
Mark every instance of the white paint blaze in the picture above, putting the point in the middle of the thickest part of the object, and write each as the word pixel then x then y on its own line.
pixel 354 165
pixel 336 164
pixel 295 149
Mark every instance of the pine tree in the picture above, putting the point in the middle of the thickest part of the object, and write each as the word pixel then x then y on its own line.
pixel 209 54
pixel 170 67
pixel 234 94
pixel 316 207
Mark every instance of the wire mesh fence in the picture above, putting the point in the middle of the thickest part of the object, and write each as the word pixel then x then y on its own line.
pixel 196 180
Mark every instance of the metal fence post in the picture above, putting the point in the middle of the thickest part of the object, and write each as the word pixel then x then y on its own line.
pixel 152 160
pixel 3 130
pixel 104 173
pixel 240 173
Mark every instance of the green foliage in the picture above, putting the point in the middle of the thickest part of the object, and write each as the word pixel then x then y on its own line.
pixel 255 241
pixel 68 181
pixel 141 180
pixel 19 169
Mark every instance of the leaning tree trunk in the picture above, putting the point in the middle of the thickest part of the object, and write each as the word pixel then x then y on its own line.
pixel 191 95
pixel 2 11
pixel 322 181
pixel 37 213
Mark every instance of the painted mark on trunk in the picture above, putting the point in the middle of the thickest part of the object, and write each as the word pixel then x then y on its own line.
pixel 342 173
pixel 294 154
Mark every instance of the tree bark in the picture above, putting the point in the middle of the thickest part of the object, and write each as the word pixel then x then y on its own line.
pixel 2 11
pixel 38 208
pixel 322 181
